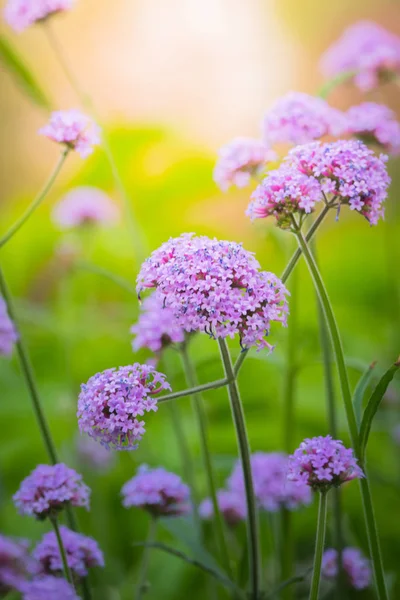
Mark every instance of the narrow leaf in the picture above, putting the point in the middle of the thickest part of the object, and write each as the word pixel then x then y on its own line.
pixel 360 390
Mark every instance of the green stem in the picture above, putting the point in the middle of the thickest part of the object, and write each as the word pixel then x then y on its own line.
pixel 213 385
pixel 244 452
pixel 66 569
pixel 38 200
pixel 330 85
pixel 319 546
pixel 142 583
pixel 117 279
pixel 287 550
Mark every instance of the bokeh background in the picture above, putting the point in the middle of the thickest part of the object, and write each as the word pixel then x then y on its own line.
pixel 172 81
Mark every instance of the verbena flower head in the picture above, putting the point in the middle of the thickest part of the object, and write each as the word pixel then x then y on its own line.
pixel 298 118
pixel 156 328
pixel 348 171
pixel 93 455
pixel 240 160
pixel 217 287
pixel 232 506
pixel 111 403
pixel 73 129
pixel 372 52
pixel 82 553
pixel 15 564
pixel 49 588
pixel 355 565
pixel 272 487
pixel 21 14
pixel 376 124
pixel 48 489
pixel 84 205
pixel 8 333
pixel 158 491
pixel 322 463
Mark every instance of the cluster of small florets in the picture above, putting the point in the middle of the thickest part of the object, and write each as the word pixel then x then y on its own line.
pixel 232 506
pixel 111 402
pixel 84 205
pixel 14 564
pixel 368 50
pixel 355 565
pixel 376 124
pixel 240 160
pixel 82 553
pixel 158 491
pixel 74 130
pixel 48 489
pixel 8 333
pixel 48 588
pixel 21 14
pixel 216 286
pixel 322 463
pixel 93 455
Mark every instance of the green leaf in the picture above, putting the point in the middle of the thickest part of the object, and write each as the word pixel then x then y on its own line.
pixel 22 74
pixel 360 390
pixel 372 407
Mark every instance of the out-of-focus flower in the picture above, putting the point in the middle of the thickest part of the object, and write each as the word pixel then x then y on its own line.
pixel 15 564
pixel 111 402
pixel 82 553
pixel 376 124
pixel 156 328
pixel 48 588
pixel 21 14
pixel 240 160
pixel 84 205
pixel 322 463
pixel 48 489
pixel 8 333
pixel 73 129
pixel 94 455
pixel 272 487
pixel 298 118
pixel 217 287
pixel 158 491
pixel 368 50
pixel 355 565
pixel 232 506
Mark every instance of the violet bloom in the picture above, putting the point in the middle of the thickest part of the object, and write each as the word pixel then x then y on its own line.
pixel 232 506
pixel 15 564
pixel 48 489
pixel 94 456
pixel 356 567
pixel 161 493
pixel 322 463
pixel 111 402
pixel 217 287
pixel 372 52
pixel 82 553
pixel 85 205
pixel 298 118
pixel 21 14
pixel 376 124
pixel 240 160
pixel 8 332
pixel 73 129
pixel 49 588
pixel 272 487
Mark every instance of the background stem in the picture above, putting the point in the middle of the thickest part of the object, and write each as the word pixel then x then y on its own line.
pixel 67 570
pixel 319 546
pixel 151 536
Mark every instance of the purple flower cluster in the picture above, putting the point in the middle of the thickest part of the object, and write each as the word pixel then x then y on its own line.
pixel 158 491
pixel 111 402
pixel 21 14
pixel 48 489
pixel 215 286
pixel 240 160
pixel 82 553
pixel 372 52
pixel 376 124
pixel 93 455
pixel 298 118
pixel 322 463
pixel 14 564
pixel 73 129
pixel 232 506
pixel 8 333
pixel 84 205
pixel 156 328
pixel 48 588
pixel 355 565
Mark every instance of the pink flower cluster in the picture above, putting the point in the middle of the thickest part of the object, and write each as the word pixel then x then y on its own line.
pixel 49 588
pixel 111 402
pixel 48 489
pixel 368 50
pixel 216 286
pixel 355 565
pixel 322 463
pixel 82 553
pixel 21 14
pixel 232 506
pixel 8 333
pixel 14 564
pixel 158 491
pixel 239 160
pixel 376 124
pixel 84 205
pixel 73 129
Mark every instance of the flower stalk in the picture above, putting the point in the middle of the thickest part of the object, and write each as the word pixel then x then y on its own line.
pixel 319 546
pixel 142 581
pixel 66 569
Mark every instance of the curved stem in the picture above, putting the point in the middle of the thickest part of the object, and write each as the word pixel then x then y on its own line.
pixel 213 385
pixel 117 279
pixel 244 452
pixel 66 569
pixel 330 85
pixel 151 536
pixel 38 200
pixel 319 546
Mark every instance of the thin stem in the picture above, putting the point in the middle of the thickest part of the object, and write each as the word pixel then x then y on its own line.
pixel 151 536
pixel 332 84
pixel 319 546
pixel 194 390
pixel 244 452
pixel 38 200
pixel 287 550
pixel 117 279
pixel 66 569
